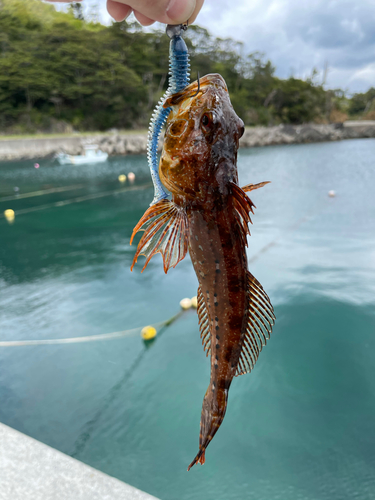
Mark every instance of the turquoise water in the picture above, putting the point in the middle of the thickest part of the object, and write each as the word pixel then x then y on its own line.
pixel 301 426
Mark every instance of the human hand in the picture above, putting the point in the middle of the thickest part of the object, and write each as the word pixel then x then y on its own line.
pixel 149 11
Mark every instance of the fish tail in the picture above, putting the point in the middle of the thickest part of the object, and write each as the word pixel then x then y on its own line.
pixel 213 412
pixel 200 458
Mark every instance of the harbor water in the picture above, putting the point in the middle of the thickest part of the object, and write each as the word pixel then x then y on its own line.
pixel 299 427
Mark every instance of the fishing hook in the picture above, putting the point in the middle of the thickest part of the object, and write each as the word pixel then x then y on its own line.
pixel 199 87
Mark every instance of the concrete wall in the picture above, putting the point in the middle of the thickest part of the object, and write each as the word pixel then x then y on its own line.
pixel 14 149
pixel 122 143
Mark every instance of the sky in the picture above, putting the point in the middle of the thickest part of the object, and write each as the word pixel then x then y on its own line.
pixel 298 35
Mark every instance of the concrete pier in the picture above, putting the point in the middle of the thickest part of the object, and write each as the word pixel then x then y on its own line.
pixel 31 470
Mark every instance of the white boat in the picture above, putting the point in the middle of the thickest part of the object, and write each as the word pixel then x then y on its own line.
pixel 92 154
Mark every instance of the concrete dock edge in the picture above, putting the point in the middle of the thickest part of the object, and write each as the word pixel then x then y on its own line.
pixel 31 470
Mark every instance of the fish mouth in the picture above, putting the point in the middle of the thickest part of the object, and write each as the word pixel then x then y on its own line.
pixel 195 89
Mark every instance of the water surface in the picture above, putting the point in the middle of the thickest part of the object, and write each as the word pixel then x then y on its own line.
pixel 300 426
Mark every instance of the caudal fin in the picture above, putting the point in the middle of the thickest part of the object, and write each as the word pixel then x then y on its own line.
pixel 213 411
pixel 199 458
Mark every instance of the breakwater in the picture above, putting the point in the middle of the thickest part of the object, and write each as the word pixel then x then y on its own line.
pixel 117 143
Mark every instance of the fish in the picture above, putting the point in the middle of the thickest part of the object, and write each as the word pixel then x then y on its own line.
pixel 209 216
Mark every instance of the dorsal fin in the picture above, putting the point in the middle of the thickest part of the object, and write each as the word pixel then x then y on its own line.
pixel 261 318
pixel 166 232
pixel 204 322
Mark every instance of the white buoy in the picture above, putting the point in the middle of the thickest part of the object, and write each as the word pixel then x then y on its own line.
pixel 131 177
pixel 332 193
pixel 185 303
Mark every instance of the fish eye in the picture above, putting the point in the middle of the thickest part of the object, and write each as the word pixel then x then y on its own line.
pixel 207 122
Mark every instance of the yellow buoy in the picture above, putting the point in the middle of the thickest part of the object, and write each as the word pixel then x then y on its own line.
pixel 9 215
pixel 185 303
pixel 194 302
pixel 148 332
pixel 122 178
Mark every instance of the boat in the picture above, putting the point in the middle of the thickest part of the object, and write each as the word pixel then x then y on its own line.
pixel 92 154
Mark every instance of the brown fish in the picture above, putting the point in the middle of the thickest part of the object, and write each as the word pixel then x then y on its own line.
pixel 209 216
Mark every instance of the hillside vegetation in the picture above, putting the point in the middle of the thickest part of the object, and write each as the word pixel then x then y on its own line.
pixel 59 72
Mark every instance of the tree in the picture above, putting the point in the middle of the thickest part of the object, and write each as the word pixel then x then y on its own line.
pixel 59 66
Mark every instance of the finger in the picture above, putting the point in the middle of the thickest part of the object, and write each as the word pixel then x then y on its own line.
pixel 198 6
pixel 118 10
pixel 179 11
pixel 144 20
pixel 164 11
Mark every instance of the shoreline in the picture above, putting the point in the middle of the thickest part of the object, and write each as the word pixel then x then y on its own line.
pixel 126 143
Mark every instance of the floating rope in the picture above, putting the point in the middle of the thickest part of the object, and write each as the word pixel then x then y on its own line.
pixel 133 332
pixel 42 192
pixel 78 199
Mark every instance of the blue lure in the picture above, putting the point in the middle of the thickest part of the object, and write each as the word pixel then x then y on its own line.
pixel 179 78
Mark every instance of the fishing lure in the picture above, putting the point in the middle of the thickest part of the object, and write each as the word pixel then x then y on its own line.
pixel 208 215
pixel 179 72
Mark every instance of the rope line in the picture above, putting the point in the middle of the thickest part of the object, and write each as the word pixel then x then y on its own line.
pixel 78 199
pixel 133 332
pixel 41 192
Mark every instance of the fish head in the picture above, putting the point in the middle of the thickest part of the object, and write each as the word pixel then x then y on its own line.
pixel 201 139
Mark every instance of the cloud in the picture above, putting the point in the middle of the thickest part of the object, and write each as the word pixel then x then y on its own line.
pixel 299 34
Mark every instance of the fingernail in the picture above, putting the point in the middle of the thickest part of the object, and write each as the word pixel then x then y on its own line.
pixel 179 11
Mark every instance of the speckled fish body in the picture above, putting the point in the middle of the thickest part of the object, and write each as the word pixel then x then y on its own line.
pixel 209 215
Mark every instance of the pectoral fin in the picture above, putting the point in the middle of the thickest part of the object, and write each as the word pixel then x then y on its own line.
pixel 243 206
pixel 166 232
pixel 261 319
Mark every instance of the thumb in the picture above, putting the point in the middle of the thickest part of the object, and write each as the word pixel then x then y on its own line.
pixel 164 11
